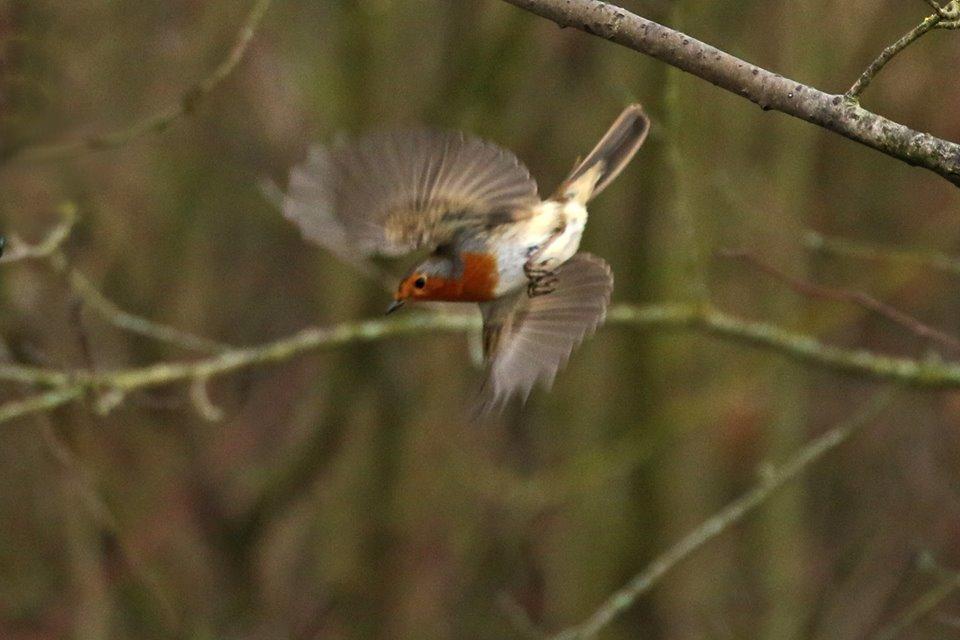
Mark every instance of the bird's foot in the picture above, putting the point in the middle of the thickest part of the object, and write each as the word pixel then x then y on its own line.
pixel 542 276
pixel 542 282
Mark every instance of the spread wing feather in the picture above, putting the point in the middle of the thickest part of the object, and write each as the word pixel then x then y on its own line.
pixel 394 192
pixel 528 340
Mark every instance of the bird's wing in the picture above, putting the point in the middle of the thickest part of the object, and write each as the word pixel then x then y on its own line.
pixel 527 340
pixel 393 192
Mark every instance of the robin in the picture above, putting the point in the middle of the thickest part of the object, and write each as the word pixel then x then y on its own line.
pixel 493 241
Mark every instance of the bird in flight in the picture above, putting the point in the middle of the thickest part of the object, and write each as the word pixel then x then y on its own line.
pixel 493 241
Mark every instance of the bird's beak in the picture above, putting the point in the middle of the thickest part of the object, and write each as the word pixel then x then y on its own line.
pixel 396 304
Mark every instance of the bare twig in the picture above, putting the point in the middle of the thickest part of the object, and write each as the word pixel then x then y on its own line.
pixel 70 385
pixel 877 253
pixel 772 479
pixel 47 401
pixel 106 521
pixel 162 120
pixel 765 88
pixel 928 23
pixel 514 612
pixel 200 396
pixel 50 249
pixel 949 583
pixel 803 287
pixel 19 250
pixel 109 311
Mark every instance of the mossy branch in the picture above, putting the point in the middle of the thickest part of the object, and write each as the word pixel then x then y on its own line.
pixel 163 119
pixel 925 26
pixel 769 90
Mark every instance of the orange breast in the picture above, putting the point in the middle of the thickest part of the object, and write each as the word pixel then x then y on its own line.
pixel 477 284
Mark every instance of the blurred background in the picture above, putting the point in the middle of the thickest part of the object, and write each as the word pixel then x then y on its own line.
pixel 343 494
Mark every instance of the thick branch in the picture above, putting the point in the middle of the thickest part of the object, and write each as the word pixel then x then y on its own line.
pixel 765 88
pixel 161 120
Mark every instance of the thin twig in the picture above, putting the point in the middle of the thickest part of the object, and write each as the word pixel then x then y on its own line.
pixel 18 250
pixel 803 287
pixel 164 119
pixel 107 522
pixel 767 89
pixel 928 23
pixel 47 401
pixel 935 6
pixel 109 311
pixel 772 480
pixel 50 249
pixel 514 612
pixel 932 374
pixel 949 583
pixel 878 253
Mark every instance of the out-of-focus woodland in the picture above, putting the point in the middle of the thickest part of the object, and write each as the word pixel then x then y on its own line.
pixel 344 492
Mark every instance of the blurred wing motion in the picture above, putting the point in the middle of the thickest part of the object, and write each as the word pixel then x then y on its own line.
pixel 527 340
pixel 391 193
pixel 614 151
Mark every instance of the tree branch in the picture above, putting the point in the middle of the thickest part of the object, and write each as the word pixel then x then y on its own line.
pixel 928 23
pixel 114 385
pixel 771 480
pixel 110 312
pixel 859 298
pixel 833 245
pixel 19 250
pixel 162 120
pixel 50 249
pixel 765 88
pixel 948 584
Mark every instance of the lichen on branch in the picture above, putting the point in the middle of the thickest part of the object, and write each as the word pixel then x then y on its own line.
pixel 767 89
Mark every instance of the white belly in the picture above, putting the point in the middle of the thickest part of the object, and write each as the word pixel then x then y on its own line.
pixel 526 237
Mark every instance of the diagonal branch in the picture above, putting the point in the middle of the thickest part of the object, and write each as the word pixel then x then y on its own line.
pixel 837 246
pixel 50 249
pixel 947 585
pixel 161 120
pixel 772 479
pixel 126 321
pixel 765 88
pixel 859 298
pixel 890 52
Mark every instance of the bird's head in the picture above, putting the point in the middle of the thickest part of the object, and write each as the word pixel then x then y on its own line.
pixel 432 279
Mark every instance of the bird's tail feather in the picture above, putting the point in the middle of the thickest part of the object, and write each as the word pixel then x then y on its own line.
pixel 615 149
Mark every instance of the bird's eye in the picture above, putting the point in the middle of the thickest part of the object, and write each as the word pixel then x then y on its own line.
pixel 420 282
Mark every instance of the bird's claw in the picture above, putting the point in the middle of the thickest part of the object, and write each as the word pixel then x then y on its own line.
pixel 541 284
